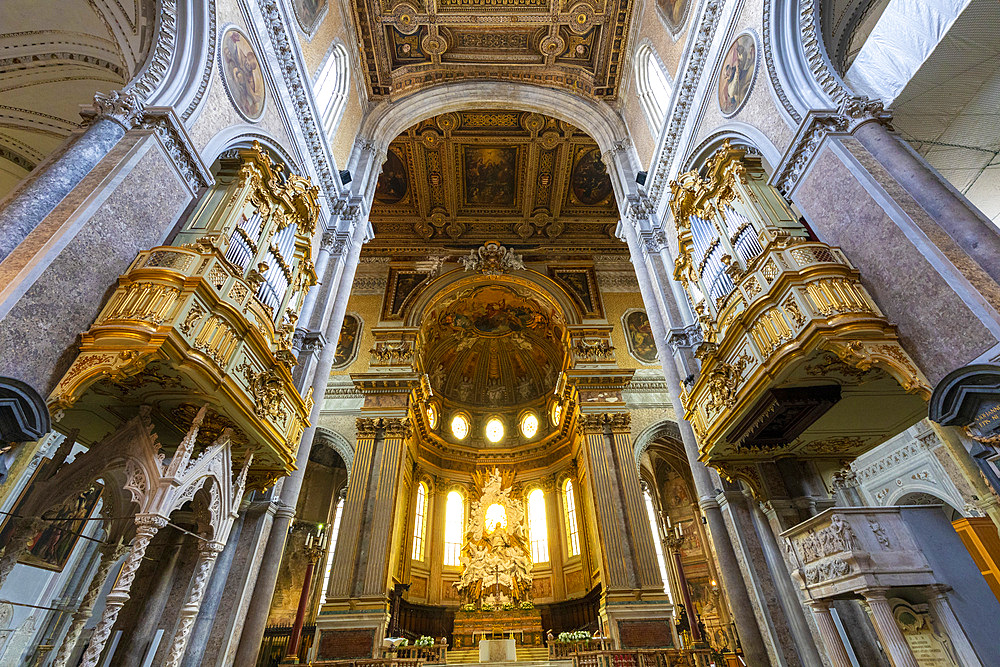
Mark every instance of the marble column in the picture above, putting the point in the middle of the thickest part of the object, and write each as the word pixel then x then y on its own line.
pixel 270 560
pixel 109 555
pixel 208 552
pixel 787 591
pixel 42 191
pixel 828 631
pixel 345 557
pixel 729 570
pixel 941 608
pixel 433 542
pixel 556 536
pixel 379 535
pixel 147 526
pixel 195 655
pixel 888 630
pixel 965 224
pixel 615 561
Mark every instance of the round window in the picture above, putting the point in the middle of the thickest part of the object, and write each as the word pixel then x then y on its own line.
pixel 529 425
pixel 432 417
pixel 556 413
pixel 494 430
pixel 460 426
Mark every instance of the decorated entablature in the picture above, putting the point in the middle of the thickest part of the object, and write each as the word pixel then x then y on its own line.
pixel 209 319
pixel 797 358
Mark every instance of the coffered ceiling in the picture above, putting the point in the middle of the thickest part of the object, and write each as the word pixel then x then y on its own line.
pixel 409 44
pixel 54 55
pixel 460 179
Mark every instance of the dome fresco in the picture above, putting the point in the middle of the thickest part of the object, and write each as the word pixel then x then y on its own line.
pixel 492 345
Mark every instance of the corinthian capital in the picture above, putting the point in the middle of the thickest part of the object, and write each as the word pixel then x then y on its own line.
pixel 124 107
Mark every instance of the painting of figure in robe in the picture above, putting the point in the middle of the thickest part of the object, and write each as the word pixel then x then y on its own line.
pixel 242 73
pixel 489 175
pixel 309 13
pixel 347 344
pixel 640 337
pixel 736 77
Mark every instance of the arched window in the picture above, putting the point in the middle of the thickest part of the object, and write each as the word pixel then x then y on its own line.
pixel 652 87
pixel 454 528
pixel 538 527
pixel 331 88
pixel 572 534
pixel 334 531
pixel 419 522
pixel 654 526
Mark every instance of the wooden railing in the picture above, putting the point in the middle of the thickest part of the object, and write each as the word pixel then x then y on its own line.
pixel 369 662
pixel 657 657
pixel 432 653
pixel 565 650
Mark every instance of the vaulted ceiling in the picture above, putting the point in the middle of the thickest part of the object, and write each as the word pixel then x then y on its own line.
pixel 409 44
pixel 54 55
pixel 521 178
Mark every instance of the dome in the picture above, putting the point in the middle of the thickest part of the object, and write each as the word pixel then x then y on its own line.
pixel 493 345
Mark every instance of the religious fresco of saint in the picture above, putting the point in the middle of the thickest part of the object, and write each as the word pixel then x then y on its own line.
pixel 242 74
pixel 674 12
pixel 590 184
pixel 737 74
pixel 347 343
pixel 393 183
pixel 50 547
pixel 309 13
pixel 640 336
pixel 489 175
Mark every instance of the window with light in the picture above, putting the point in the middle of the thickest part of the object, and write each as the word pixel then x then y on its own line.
pixel 334 531
pixel 572 534
pixel 555 413
pixel 494 430
pixel 419 521
pixel 459 427
pixel 537 527
pixel 331 89
pixel 529 425
pixel 652 87
pixel 654 526
pixel 454 528
pixel 432 417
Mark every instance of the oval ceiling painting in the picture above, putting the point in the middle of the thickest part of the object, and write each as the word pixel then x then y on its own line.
pixel 393 183
pixel 590 181
pixel 738 70
pixel 242 74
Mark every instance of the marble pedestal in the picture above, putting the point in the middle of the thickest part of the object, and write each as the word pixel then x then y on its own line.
pixel 497 650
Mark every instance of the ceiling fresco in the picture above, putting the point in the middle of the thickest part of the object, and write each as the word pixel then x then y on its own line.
pixel 463 178
pixel 493 345
pixel 409 44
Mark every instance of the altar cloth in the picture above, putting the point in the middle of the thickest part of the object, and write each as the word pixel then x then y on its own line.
pixel 497 650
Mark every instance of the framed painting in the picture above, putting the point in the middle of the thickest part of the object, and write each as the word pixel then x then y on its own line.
pixel 241 73
pixel 309 14
pixel 674 13
pixel 51 547
pixel 490 173
pixel 639 336
pixel 581 283
pixel 347 343
pixel 736 76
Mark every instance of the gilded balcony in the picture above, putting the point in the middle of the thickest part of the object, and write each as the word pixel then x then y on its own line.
pixel 210 321
pixel 797 357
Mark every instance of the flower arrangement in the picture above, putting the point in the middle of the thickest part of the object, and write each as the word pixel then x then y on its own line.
pixel 424 641
pixel 487 607
pixel 469 606
pixel 527 604
pixel 508 606
pixel 577 636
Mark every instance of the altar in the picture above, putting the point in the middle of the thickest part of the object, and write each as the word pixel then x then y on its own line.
pixel 523 626
pixel 497 650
